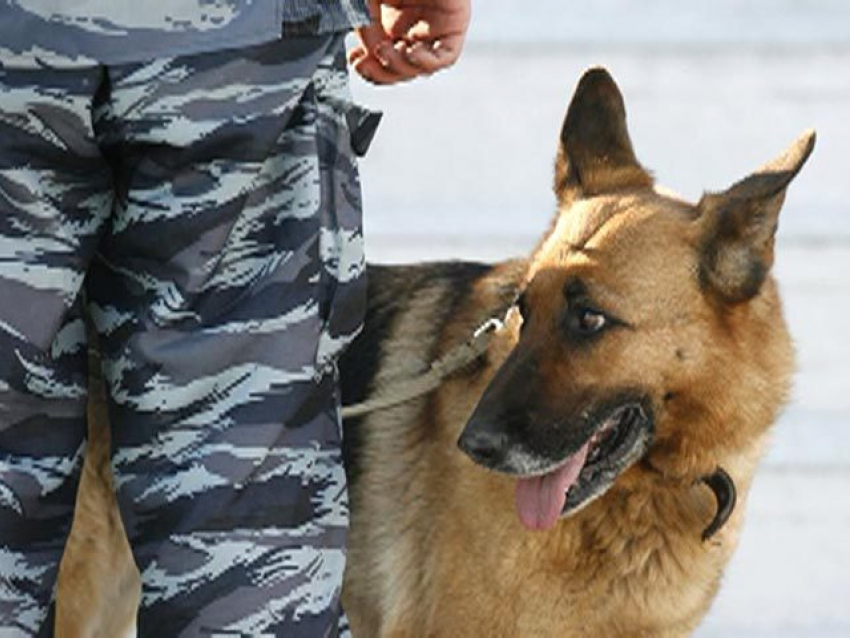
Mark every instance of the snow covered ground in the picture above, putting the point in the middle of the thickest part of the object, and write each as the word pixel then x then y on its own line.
pixel 462 165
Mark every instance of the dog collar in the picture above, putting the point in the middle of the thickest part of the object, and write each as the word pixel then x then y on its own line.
pixel 723 487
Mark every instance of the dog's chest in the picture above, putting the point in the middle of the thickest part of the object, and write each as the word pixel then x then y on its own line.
pixel 591 576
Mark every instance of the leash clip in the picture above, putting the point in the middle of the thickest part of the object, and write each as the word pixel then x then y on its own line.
pixel 493 324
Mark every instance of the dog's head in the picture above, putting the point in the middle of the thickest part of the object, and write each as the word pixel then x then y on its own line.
pixel 651 328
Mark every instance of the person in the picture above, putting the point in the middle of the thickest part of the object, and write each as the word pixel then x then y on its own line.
pixel 180 180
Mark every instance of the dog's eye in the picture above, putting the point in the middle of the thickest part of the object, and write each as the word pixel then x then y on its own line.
pixel 591 321
pixel 584 321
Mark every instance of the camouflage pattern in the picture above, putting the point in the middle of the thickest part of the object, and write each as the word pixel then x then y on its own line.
pixel 61 34
pixel 207 208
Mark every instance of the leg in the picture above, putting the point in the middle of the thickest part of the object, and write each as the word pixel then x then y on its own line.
pixel 217 282
pixel 98 587
pixel 54 198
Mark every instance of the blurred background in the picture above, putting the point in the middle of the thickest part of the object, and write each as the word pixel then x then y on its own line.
pixel 462 166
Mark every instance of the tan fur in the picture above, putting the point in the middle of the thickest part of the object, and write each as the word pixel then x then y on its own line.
pixel 98 588
pixel 436 548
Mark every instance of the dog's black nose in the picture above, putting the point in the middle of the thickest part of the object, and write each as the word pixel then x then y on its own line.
pixel 484 446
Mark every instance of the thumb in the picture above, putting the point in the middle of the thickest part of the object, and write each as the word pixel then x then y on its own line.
pixel 371 36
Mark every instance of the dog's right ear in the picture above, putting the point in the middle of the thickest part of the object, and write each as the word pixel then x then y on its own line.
pixel 595 155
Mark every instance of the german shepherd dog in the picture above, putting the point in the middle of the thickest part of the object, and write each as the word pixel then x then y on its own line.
pixel 578 479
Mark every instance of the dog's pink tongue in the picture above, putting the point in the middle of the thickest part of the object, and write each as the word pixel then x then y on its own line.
pixel 540 499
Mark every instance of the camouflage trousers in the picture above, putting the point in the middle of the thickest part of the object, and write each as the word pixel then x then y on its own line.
pixel 203 213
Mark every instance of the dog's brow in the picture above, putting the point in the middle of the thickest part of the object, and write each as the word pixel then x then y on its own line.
pixel 575 287
pixel 596 291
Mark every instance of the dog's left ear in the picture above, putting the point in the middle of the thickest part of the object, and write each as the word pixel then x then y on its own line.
pixel 740 223
pixel 595 155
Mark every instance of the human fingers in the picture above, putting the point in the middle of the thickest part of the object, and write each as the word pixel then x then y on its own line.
pixel 371 70
pixel 356 54
pixel 428 36
pixel 430 58
pixel 364 60
pixel 394 58
pixel 388 64
pixel 371 36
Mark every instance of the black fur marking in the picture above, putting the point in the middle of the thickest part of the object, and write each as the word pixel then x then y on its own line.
pixel 390 292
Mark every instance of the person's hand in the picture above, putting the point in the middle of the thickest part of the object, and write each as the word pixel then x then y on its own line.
pixel 409 38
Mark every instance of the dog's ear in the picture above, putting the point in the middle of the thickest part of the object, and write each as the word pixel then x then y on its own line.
pixel 740 223
pixel 595 154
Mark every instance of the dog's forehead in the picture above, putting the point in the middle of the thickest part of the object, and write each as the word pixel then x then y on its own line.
pixel 587 224
pixel 619 241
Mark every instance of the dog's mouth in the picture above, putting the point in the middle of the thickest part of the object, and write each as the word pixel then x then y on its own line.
pixel 620 439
